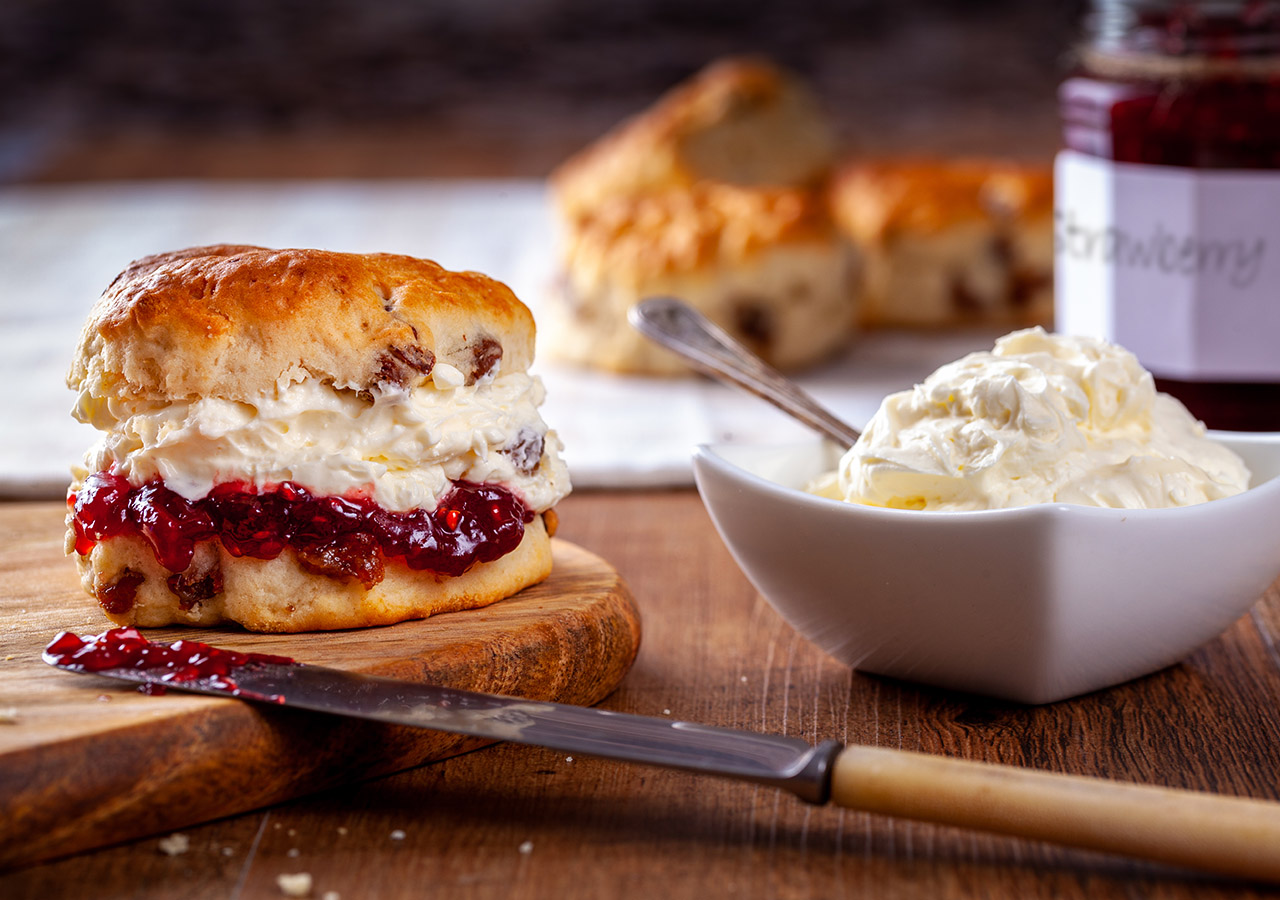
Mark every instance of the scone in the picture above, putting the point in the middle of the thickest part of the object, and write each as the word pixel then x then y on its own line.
pixel 943 243
pixel 300 440
pixel 713 195
pixel 739 121
pixel 766 264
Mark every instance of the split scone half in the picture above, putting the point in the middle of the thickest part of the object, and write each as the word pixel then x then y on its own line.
pixel 715 195
pixel 299 440
pixel 944 243
pixel 765 264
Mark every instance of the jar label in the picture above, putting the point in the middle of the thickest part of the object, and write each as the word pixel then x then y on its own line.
pixel 1180 266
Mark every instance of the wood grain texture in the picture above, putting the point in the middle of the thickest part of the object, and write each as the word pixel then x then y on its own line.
pixel 715 652
pixel 86 762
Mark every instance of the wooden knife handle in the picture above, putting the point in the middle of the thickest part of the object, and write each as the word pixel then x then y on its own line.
pixel 1227 835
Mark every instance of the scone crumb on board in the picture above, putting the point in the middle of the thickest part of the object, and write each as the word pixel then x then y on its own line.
pixel 175 844
pixel 397 835
pixel 330 895
pixel 526 848
pixel 297 884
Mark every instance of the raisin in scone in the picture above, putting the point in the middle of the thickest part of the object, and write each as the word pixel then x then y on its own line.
pixel 944 243
pixel 300 440
pixel 767 265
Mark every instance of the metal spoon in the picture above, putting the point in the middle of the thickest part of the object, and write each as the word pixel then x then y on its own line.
pixel 707 348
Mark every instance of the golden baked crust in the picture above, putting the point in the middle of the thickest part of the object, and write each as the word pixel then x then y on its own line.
pixel 766 264
pixel 742 121
pixel 683 230
pixel 233 322
pixel 279 595
pixel 947 243
pixel 873 199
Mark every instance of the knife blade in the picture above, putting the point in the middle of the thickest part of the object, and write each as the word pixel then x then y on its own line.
pixel 1227 835
pixel 784 762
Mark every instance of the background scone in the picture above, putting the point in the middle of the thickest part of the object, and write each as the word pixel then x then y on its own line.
pixel 765 264
pixel 943 243
pixel 714 195
pixel 299 440
pixel 740 121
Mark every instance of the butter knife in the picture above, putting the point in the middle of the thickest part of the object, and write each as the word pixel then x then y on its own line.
pixel 1226 835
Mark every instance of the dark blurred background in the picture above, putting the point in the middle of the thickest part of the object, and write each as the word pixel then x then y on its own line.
pixel 368 88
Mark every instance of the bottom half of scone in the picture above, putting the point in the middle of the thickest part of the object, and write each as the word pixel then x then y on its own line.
pixel 970 273
pixel 320 564
pixel 790 304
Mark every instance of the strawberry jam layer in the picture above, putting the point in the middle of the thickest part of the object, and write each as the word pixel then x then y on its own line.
pixel 342 537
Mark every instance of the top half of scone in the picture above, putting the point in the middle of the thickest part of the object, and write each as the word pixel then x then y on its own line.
pixel 740 121
pixel 382 376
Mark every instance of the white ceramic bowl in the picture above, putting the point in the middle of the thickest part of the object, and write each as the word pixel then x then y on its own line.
pixel 1033 604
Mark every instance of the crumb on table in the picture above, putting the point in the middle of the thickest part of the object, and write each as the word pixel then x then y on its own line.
pixel 297 884
pixel 175 844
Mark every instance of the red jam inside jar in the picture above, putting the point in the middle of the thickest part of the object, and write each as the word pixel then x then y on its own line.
pixel 1189 85
pixel 348 538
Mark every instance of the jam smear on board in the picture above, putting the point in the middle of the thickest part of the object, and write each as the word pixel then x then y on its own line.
pixel 181 661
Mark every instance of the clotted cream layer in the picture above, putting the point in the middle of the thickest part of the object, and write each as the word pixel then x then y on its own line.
pixel 1042 418
pixel 402 447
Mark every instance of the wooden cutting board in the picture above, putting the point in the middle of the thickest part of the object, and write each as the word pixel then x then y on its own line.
pixel 86 762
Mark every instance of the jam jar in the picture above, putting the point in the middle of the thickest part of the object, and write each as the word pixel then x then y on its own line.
pixel 1167 198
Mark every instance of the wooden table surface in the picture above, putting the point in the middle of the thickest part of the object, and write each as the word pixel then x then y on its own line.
pixel 522 822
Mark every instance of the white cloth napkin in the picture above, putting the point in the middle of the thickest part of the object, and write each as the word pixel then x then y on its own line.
pixel 60 246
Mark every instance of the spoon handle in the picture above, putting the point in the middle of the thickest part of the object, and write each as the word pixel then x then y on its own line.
pixel 707 348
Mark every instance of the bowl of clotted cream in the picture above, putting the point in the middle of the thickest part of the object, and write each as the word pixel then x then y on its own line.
pixel 1031 523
